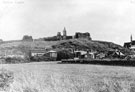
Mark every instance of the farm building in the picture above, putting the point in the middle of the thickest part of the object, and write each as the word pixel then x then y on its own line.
pixel 80 54
pixel 52 54
pixel 84 54
pixel 115 54
pixel 130 45
pixel 90 55
pixel 100 56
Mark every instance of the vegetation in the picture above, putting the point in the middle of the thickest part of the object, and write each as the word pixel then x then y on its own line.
pixel 15 60
pixel 6 79
pixel 52 77
pixel 64 54
pixel 64 47
pixel 66 44
pixel 84 44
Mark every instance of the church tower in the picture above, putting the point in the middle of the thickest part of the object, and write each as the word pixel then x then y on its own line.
pixel 64 34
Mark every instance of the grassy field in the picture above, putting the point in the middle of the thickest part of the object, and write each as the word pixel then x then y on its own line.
pixel 53 77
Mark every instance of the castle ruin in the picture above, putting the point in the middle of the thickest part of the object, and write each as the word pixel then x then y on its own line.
pixel 64 36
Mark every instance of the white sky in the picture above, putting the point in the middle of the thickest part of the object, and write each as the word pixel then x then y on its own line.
pixel 108 20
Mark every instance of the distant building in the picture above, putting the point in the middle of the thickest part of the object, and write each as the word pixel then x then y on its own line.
pixel 115 54
pixel 53 55
pixel 27 38
pixel 84 54
pixel 130 45
pixel 82 35
pixel 43 54
pixel 59 37
pixel 100 56
pixel 64 36
pixel 127 45
pixel 37 52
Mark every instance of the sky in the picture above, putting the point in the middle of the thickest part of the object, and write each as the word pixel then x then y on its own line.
pixel 105 20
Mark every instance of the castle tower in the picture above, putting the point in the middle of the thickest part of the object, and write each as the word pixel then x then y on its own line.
pixel 64 34
pixel 59 35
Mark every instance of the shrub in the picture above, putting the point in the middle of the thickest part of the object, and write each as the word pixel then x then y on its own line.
pixel 6 78
pixel 16 60
pixel 64 54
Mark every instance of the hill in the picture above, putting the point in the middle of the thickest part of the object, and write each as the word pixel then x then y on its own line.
pixel 22 47
pixel 81 44
pixel 84 44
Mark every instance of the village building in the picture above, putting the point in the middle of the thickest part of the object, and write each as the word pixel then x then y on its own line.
pixel 130 45
pixel 80 54
pixel 43 54
pixel 84 54
pixel 115 54
pixel 53 55
pixel 90 55
pixel 37 53
pixel 100 55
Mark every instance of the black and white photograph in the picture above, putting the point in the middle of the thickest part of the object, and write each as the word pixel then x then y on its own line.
pixel 67 45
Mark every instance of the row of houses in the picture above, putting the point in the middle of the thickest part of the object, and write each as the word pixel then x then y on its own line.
pixel 53 55
pixel 96 55
pixel 39 54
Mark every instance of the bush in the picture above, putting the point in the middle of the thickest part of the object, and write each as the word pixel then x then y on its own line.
pixel 16 60
pixel 64 54
pixel 6 78
pixel 40 58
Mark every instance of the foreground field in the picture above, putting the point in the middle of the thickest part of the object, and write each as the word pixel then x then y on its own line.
pixel 53 77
